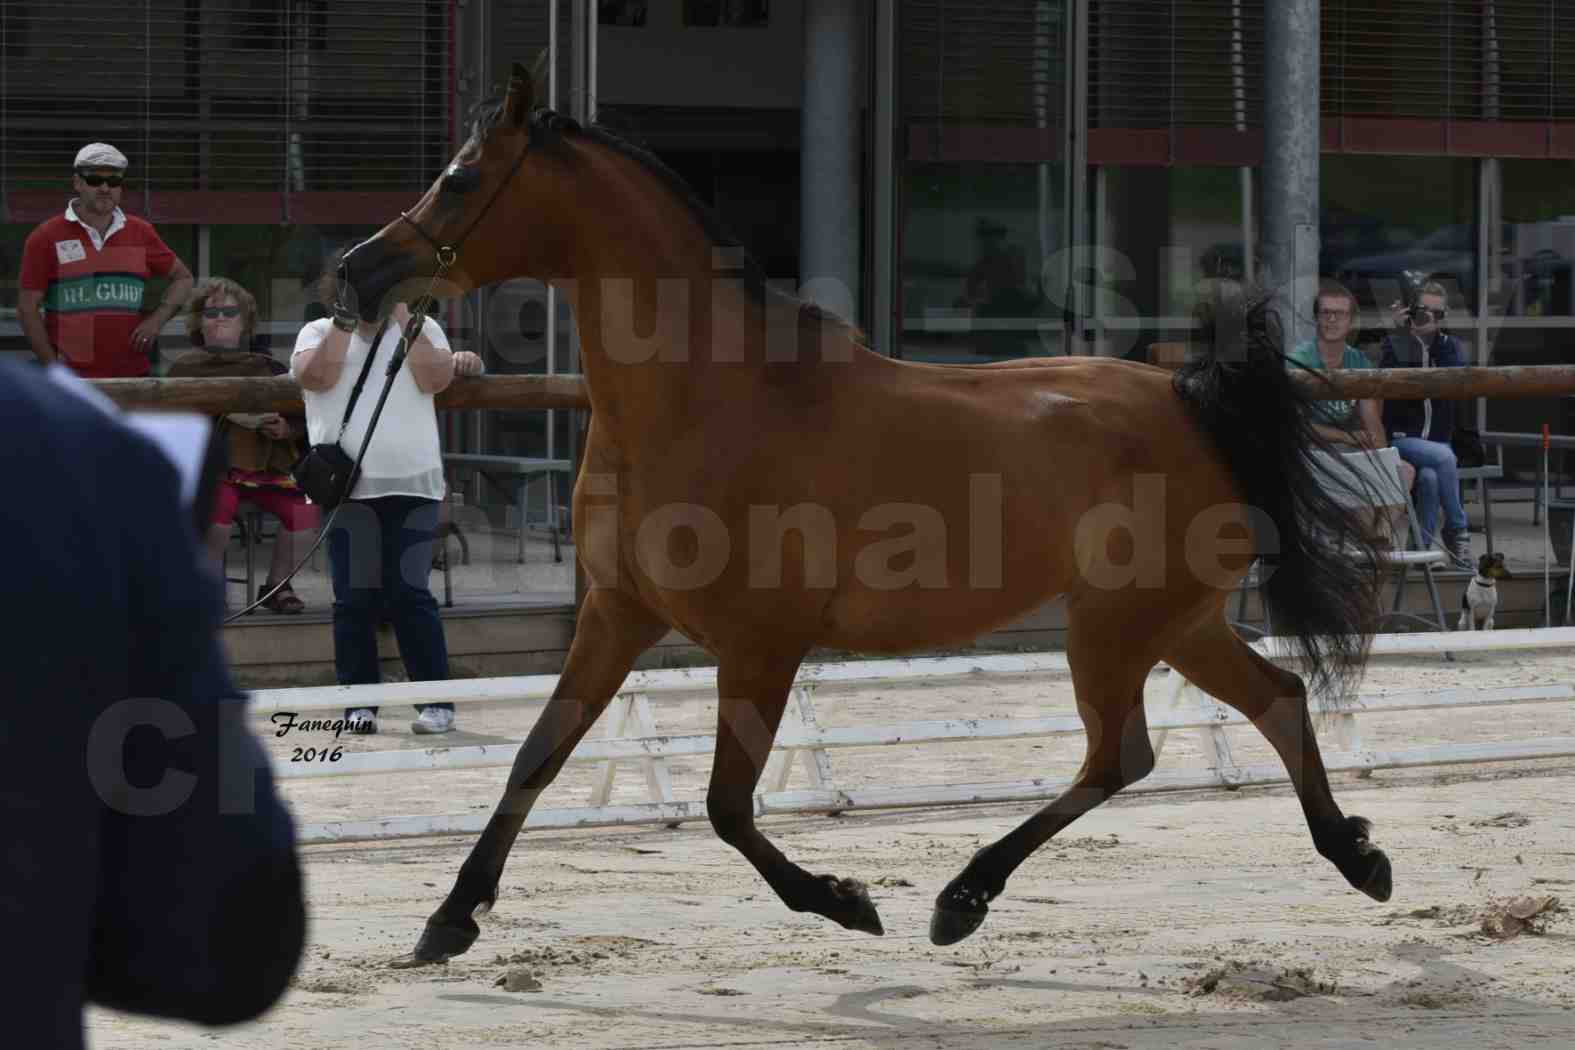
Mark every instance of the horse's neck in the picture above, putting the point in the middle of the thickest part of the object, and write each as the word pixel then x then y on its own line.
pixel 637 336
pixel 685 341
pixel 666 321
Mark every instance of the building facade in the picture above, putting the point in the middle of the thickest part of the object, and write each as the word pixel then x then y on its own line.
pixel 969 181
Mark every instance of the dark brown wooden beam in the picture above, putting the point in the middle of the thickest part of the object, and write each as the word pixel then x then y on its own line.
pixel 1413 384
pixel 282 395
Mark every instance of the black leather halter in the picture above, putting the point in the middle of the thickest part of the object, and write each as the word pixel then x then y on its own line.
pixel 448 254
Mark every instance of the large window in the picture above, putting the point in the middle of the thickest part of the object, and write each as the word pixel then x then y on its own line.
pixel 1387 223
pixel 1533 247
pixel 1530 303
pixel 982 179
pixel 1159 232
pixel 975 243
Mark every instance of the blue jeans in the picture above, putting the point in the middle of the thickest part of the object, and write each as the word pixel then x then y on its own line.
pixel 1437 481
pixel 380 552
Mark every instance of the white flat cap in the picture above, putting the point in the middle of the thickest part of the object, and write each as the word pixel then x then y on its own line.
pixel 99 155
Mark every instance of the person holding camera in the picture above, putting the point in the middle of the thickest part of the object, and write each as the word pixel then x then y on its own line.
pixel 1421 430
pixel 380 539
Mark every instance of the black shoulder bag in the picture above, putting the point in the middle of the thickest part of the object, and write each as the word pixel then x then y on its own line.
pixel 326 473
pixel 1468 446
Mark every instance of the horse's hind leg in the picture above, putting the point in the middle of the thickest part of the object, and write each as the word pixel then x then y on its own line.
pixel 753 694
pixel 1275 700
pixel 610 633
pixel 1108 675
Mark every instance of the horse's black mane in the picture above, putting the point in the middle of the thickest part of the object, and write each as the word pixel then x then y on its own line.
pixel 548 128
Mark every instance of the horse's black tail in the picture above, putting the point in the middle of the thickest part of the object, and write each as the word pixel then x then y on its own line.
pixel 1322 577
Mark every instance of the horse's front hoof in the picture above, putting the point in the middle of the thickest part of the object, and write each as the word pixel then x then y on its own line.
pixel 440 942
pixel 1380 882
pixel 865 918
pixel 852 908
pixel 948 926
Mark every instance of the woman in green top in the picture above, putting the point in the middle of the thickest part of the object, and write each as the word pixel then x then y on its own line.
pixel 1354 425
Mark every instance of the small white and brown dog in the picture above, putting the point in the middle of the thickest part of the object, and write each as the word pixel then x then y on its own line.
pixel 1481 598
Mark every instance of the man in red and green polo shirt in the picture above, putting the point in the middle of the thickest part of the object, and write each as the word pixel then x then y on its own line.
pixel 84 274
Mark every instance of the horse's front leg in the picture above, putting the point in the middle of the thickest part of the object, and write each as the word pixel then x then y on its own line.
pixel 610 633
pixel 753 697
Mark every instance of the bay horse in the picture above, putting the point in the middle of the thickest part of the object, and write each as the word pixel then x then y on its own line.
pixel 758 479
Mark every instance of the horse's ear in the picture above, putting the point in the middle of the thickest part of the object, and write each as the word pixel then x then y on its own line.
pixel 521 97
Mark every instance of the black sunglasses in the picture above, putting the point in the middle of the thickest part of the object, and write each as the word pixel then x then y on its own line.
pixel 215 312
pixel 1438 315
pixel 99 180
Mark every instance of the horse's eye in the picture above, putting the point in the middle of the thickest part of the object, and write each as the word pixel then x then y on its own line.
pixel 460 180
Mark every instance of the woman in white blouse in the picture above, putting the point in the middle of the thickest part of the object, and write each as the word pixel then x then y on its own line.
pixel 380 544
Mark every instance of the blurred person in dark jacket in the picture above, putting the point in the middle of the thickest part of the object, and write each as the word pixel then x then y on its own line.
pixel 149 865
pixel 1421 430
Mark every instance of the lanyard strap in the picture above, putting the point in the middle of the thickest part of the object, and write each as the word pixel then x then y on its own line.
pixel 361 380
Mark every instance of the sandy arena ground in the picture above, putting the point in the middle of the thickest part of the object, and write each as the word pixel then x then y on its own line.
pixel 1203 919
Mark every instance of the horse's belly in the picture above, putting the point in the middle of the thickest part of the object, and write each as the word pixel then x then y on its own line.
pixel 917 618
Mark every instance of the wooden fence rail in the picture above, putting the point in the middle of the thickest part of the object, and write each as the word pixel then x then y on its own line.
pixel 280 394
pixel 568 391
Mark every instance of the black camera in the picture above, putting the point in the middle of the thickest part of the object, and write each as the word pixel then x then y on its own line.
pixel 1412 285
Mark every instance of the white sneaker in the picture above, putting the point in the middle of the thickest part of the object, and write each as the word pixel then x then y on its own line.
pixel 434 720
pixel 363 721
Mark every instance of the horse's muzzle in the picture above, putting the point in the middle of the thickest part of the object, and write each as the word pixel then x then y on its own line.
pixel 367 274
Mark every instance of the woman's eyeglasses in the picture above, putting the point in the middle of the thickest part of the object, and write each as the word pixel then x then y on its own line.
pixel 213 313
pixel 98 180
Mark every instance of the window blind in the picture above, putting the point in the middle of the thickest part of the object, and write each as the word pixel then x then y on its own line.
pixel 275 98
pixel 983 82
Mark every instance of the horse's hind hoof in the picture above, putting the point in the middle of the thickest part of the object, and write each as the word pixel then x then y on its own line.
pixel 948 926
pixel 1363 864
pixel 442 941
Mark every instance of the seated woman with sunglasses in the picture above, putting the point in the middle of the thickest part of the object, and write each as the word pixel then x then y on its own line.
pixel 1421 430
pixel 222 320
